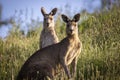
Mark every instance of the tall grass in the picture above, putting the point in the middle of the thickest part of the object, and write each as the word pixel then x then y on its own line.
pixel 100 56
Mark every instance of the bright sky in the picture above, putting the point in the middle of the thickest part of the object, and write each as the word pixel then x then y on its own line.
pixel 10 6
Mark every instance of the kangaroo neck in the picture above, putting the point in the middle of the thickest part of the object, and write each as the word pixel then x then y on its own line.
pixel 75 36
pixel 48 29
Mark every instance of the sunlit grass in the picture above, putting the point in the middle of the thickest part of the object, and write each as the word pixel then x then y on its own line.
pixel 99 59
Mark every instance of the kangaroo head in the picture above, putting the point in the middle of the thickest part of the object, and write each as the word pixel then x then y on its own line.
pixel 71 24
pixel 48 18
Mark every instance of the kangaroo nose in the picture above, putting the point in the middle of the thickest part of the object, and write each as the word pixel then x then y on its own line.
pixel 71 30
pixel 47 24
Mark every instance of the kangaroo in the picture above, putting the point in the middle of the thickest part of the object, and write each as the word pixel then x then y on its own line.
pixel 45 61
pixel 48 35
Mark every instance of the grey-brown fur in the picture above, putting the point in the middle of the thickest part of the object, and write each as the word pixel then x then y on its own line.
pixel 48 35
pixel 45 61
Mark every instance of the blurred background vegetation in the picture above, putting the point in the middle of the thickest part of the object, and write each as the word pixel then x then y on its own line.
pixel 99 33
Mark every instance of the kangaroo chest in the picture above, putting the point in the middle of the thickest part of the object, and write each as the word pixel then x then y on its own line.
pixel 48 38
pixel 72 52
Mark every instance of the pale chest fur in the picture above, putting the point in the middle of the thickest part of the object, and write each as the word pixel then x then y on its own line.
pixel 48 38
pixel 74 50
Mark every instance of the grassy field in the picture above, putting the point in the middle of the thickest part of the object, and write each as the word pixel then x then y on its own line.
pixel 100 56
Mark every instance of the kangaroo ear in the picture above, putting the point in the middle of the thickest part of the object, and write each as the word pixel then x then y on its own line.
pixel 76 17
pixel 65 18
pixel 53 12
pixel 43 11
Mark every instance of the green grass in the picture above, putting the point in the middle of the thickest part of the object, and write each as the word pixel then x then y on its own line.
pixel 100 56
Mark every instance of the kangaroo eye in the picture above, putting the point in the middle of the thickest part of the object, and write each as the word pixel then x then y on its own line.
pixel 68 25
pixel 51 19
pixel 45 19
pixel 75 25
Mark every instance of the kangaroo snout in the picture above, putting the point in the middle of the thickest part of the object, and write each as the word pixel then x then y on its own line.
pixel 47 24
pixel 71 30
